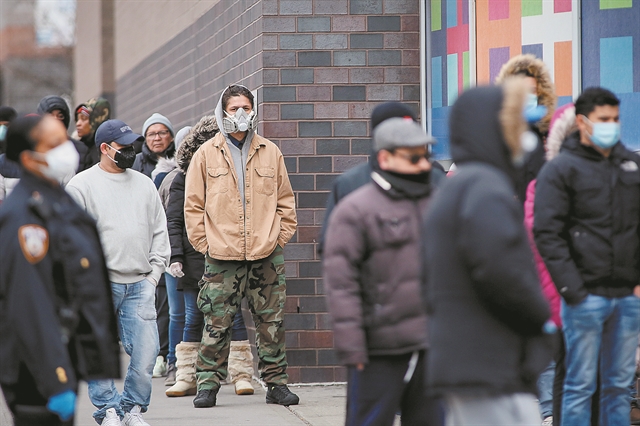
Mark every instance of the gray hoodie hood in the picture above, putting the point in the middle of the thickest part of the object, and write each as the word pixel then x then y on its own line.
pixel 219 114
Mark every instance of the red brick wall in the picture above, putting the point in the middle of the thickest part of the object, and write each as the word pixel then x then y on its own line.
pixel 320 67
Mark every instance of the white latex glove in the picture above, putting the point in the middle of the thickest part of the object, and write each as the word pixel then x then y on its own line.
pixel 175 269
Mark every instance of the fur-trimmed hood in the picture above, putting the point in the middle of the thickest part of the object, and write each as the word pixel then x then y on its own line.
pixel 562 125
pixel 533 66
pixel 203 131
pixel 486 124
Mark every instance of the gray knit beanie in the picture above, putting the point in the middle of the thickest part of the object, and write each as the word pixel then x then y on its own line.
pixel 157 118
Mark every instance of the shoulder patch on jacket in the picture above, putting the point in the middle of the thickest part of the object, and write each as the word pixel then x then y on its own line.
pixel 34 242
pixel 629 166
pixel 62 375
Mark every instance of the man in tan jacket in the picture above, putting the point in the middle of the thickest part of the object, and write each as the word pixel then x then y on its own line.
pixel 240 212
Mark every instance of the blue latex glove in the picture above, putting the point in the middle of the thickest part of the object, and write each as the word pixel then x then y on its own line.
pixel 63 404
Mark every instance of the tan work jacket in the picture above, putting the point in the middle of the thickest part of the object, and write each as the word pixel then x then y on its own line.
pixel 216 220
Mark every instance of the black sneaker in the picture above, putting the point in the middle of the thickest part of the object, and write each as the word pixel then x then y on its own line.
pixel 205 398
pixel 280 394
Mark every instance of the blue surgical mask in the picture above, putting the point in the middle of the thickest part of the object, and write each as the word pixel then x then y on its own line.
pixel 532 111
pixel 605 135
pixel 3 132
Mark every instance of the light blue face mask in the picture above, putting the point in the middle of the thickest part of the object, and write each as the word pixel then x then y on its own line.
pixel 605 135
pixel 532 112
pixel 3 132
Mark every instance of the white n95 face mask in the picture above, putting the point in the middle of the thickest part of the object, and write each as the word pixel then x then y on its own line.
pixel 240 121
pixel 62 161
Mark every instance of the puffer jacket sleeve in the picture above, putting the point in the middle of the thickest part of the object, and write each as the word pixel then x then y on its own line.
pixel 548 288
pixel 175 218
pixel 551 212
pixel 286 207
pixel 343 254
pixel 494 244
pixel 194 202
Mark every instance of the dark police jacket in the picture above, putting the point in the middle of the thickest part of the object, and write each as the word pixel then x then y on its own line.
pixel 586 221
pixel 56 311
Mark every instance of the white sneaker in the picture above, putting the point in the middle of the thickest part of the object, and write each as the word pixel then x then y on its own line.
pixel 160 369
pixel 134 418
pixel 548 421
pixel 111 418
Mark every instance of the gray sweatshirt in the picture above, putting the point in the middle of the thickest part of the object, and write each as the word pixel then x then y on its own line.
pixel 131 222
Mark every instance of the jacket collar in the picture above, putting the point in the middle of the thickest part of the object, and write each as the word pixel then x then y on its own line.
pixel 618 153
pixel 257 141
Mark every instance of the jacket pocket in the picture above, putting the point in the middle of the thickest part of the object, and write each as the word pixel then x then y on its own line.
pixel 217 179
pixel 265 180
pixel 394 230
pixel 630 193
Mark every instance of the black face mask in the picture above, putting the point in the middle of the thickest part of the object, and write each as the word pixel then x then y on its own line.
pixel 124 157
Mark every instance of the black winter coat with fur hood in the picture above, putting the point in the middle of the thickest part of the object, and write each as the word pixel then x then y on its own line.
pixel 485 306
pixel 181 249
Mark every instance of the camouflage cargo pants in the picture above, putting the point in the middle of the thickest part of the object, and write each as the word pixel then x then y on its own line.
pixel 222 287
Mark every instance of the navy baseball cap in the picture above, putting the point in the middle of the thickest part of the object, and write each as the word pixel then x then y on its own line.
pixel 116 131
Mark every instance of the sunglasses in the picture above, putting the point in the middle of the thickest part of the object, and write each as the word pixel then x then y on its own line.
pixel 413 158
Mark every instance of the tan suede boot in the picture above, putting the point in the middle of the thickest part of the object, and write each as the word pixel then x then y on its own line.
pixel 186 356
pixel 241 366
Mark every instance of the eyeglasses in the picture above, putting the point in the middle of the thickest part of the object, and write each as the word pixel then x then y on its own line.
pixel 162 134
pixel 413 158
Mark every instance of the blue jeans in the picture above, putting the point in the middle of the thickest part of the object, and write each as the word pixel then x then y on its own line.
pixel 545 390
pixel 176 316
pixel 606 329
pixel 136 315
pixel 194 319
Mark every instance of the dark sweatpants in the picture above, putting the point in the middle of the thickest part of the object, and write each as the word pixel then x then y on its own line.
pixel 162 309
pixel 377 393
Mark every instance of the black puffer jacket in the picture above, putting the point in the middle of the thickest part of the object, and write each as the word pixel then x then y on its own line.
pixel 587 216
pixel 486 309
pixel 181 249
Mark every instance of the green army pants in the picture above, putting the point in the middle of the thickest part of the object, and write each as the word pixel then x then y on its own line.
pixel 222 288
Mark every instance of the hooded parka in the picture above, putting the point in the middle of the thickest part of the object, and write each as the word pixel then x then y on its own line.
pixel 181 249
pixel 486 310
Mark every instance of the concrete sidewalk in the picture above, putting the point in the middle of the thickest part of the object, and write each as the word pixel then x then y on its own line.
pixel 319 406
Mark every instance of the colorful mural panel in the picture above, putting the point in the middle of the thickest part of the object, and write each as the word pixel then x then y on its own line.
pixel 504 28
pixel 611 57
pixel 450 66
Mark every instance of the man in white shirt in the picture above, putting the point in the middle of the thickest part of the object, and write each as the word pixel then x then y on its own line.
pixel 133 230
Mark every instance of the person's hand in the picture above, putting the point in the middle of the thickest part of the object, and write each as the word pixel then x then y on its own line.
pixel 175 270
pixel 63 404
pixel 636 290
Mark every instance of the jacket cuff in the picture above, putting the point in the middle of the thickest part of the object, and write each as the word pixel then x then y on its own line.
pixel 176 258
pixel 281 242
pixel 157 272
pixel 576 297
pixel 353 358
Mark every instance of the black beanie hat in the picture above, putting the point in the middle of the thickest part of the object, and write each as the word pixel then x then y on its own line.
pixel 50 103
pixel 7 113
pixel 18 136
pixel 390 110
